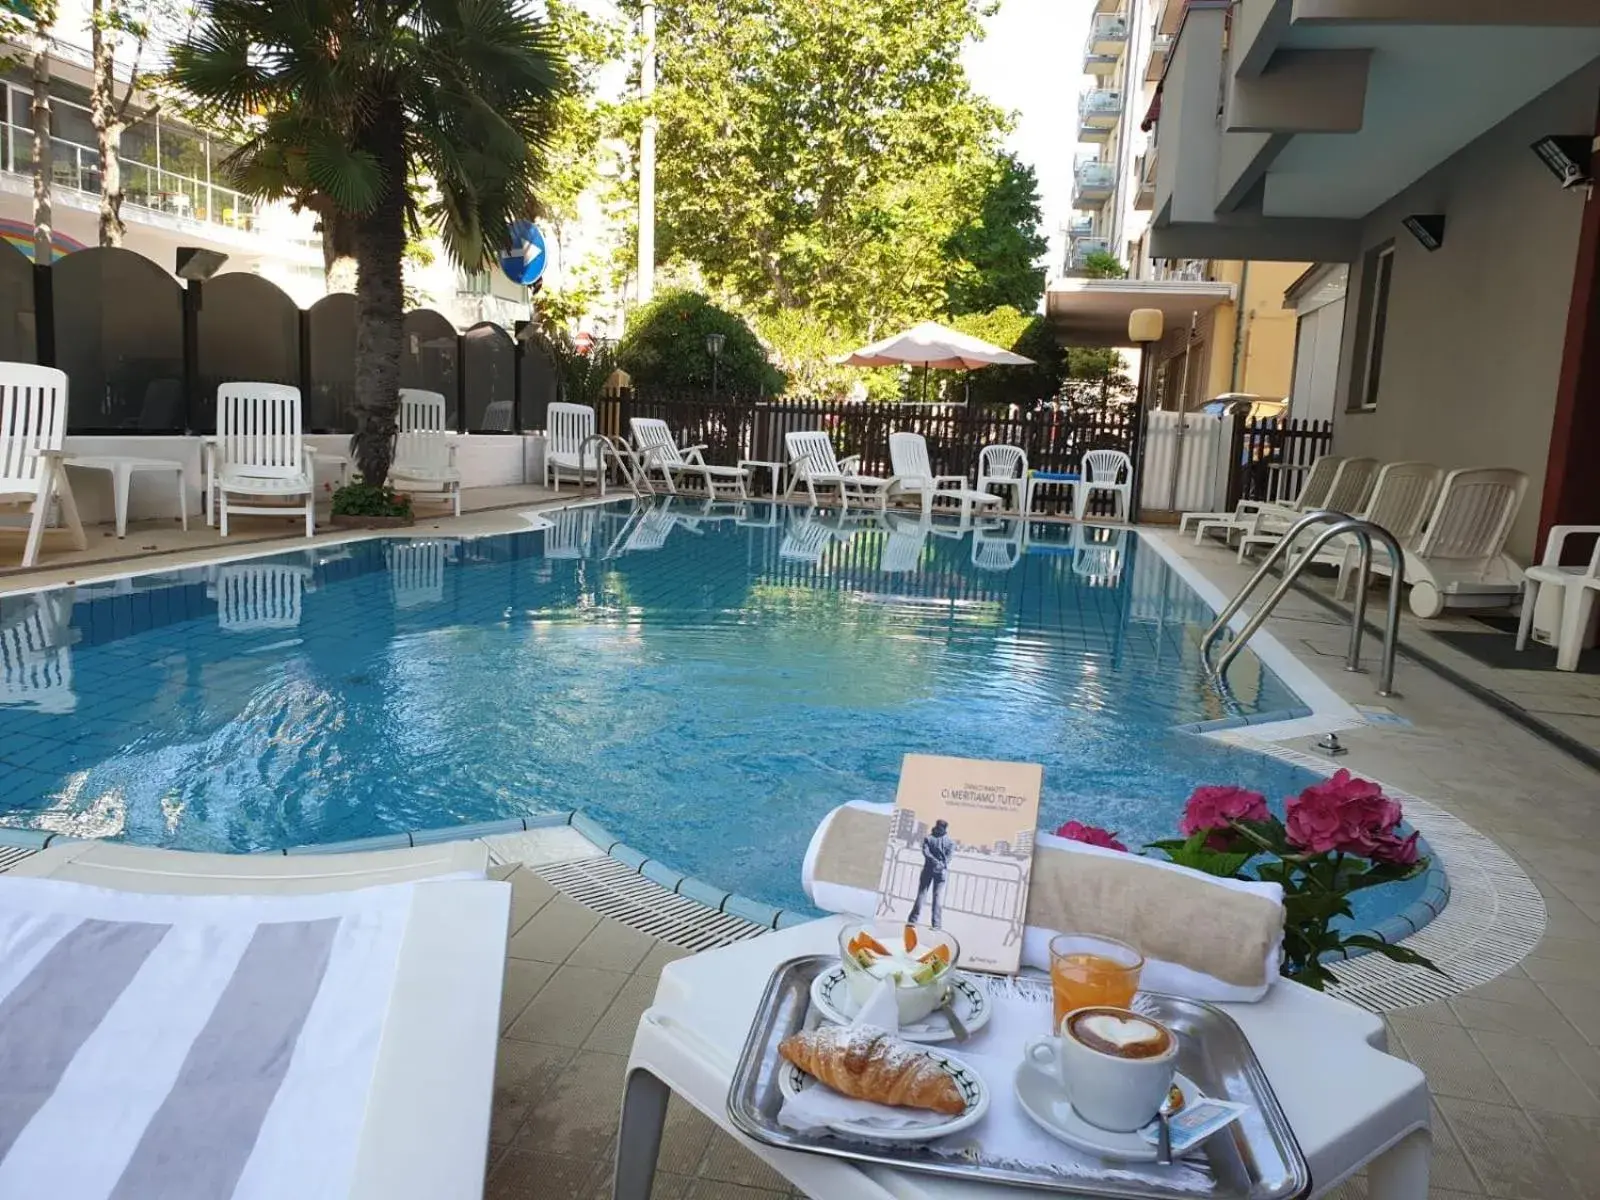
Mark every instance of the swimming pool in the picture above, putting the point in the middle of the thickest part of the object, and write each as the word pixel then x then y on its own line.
pixel 705 686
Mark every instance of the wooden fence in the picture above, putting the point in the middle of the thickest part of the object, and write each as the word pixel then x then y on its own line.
pixel 1271 458
pixel 743 429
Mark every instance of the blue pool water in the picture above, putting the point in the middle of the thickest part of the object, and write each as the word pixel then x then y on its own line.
pixel 704 688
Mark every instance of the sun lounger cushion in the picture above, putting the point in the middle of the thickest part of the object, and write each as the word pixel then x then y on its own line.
pixel 1202 937
pixel 167 1046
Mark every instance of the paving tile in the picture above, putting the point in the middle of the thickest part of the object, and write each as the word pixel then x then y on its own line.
pixel 1536 1075
pixel 612 946
pixel 1452 1062
pixel 567 1008
pixel 521 1175
pixel 728 1161
pixel 1557 970
pixel 1544 1023
pixel 1579 1003
pixel 684 1138
pixel 615 1030
pixel 660 955
pixel 522 1072
pixel 554 932
pixel 1505 1151
pixel 1574 1142
pixel 712 1189
pixel 1450 1168
pixel 529 894
pixel 1354 1188
pixel 577 1114
pixel 522 981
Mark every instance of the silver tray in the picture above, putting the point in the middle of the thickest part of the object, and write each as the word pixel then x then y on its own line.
pixel 1254 1159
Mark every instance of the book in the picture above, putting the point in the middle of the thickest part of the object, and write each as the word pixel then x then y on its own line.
pixel 960 854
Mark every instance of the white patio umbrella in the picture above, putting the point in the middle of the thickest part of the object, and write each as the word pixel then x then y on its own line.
pixel 931 345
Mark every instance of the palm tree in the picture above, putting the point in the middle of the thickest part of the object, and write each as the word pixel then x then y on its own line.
pixel 347 103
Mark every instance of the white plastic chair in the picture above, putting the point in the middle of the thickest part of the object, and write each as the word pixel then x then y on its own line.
pixel 1578 587
pixel 913 473
pixel 33 425
pixel 812 462
pixel 1318 482
pixel 807 537
pixel 570 533
pixel 252 597
pixel 567 427
pixel 1105 471
pixel 1005 467
pixel 36 654
pixel 498 417
pixel 258 451
pixel 424 452
pixel 1460 560
pixel 998 546
pixel 660 452
pixel 1352 485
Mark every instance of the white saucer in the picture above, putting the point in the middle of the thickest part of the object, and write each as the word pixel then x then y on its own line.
pixel 830 993
pixel 1041 1098
pixel 792 1081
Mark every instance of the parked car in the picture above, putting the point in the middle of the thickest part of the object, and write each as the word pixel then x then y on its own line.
pixel 1243 404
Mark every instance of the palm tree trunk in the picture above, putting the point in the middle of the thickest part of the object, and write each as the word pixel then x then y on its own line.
pixel 380 243
pixel 108 129
pixel 338 250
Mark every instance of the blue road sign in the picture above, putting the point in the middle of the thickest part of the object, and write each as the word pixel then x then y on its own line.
pixel 524 261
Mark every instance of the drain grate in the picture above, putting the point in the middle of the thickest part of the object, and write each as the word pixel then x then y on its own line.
pixel 10 856
pixel 615 890
pixel 1494 918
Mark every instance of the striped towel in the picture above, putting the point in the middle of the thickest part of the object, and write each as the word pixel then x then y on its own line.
pixel 189 1047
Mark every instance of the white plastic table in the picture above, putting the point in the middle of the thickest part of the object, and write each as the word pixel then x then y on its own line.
pixel 122 469
pixel 776 469
pixel 1350 1104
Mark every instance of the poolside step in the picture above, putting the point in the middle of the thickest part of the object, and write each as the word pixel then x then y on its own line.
pixel 614 889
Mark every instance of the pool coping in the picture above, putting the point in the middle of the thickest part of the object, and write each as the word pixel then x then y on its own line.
pixel 1321 710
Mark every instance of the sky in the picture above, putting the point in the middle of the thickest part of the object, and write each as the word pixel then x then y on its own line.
pixel 1030 65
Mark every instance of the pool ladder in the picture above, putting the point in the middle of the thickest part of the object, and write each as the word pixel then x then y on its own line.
pixel 627 462
pixel 1338 524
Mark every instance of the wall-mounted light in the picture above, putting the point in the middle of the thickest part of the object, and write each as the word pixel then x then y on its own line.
pixel 1427 229
pixel 192 262
pixel 1568 156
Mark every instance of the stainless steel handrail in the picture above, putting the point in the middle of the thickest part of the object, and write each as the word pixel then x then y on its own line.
pixel 1338 524
pixel 622 454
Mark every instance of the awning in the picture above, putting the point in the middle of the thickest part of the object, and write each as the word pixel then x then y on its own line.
pixel 1094 312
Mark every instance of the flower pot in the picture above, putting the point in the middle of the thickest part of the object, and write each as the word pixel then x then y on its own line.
pixel 348 521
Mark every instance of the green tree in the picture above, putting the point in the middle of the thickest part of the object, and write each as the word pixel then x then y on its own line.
pixel 665 347
pixel 357 98
pixel 995 254
pixel 819 156
pixel 1102 265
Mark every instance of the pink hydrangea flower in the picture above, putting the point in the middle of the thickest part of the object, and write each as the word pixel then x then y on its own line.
pixel 1214 807
pixel 1090 835
pixel 1350 815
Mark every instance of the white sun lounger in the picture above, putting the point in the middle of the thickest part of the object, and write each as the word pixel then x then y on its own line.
pixel 1400 502
pixel 812 462
pixel 1352 484
pixel 908 455
pixel 660 452
pixel 1312 493
pixel 33 424
pixel 425 1131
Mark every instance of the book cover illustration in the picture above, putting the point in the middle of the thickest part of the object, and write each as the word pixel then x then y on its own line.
pixel 960 853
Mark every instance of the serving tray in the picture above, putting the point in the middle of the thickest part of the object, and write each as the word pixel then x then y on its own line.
pixel 1256 1158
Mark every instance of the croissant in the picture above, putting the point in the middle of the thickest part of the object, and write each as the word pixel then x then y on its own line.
pixel 871 1064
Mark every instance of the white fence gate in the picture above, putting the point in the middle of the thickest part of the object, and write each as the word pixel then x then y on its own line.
pixel 1198 444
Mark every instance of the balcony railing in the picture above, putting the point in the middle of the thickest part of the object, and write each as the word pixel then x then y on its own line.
pixel 1095 177
pixel 1160 48
pixel 1079 227
pixel 1107 35
pixel 1082 248
pixel 78 167
pixel 1180 270
pixel 1144 174
pixel 1100 104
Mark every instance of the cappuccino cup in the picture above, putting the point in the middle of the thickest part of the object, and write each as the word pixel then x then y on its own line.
pixel 1115 1065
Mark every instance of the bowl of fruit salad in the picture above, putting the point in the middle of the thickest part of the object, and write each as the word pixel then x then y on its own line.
pixel 918 958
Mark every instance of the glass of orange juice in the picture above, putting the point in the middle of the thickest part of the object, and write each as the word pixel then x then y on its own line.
pixel 1088 971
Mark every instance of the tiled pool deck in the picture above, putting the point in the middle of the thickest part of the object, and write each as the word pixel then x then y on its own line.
pixel 1514 1064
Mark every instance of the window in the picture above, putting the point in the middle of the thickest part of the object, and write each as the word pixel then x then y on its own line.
pixel 1375 284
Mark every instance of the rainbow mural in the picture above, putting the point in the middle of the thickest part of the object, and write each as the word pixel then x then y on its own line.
pixel 20 235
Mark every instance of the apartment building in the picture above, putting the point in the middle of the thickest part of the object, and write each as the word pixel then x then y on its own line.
pixel 1444 151
pixel 1228 329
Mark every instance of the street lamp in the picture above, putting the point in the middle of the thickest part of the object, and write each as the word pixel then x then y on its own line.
pixel 714 344
pixel 1145 327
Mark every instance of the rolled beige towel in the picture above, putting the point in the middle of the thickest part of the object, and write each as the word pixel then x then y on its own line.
pixel 1202 937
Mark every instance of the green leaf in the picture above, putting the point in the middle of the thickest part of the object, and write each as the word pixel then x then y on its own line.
pixel 1392 950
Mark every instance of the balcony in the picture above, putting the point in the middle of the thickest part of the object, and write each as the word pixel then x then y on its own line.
pixel 1108 36
pixel 1080 250
pixel 1169 16
pixel 77 167
pixel 1181 270
pixel 1098 113
pixel 1093 182
pixel 1108 6
pixel 1144 176
pixel 1079 227
pixel 1160 47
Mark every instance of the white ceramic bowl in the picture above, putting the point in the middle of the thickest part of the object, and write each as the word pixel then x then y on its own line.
pixel 915 1000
